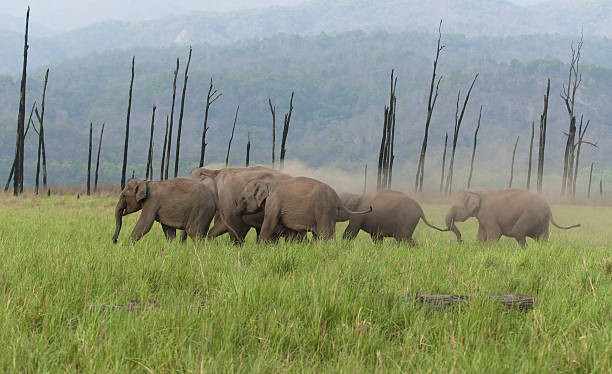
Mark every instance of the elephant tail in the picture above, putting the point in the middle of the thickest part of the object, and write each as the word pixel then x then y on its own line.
pixel 344 213
pixel 432 226
pixel 562 227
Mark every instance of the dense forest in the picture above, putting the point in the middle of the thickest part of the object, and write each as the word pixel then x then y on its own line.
pixel 341 85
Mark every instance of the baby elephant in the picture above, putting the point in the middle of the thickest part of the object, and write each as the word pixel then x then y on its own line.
pixel 177 203
pixel 393 215
pixel 299 204
pixel 515 213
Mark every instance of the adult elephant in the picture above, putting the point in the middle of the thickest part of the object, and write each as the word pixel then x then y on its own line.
pixel 178 203
pixel 229 183
pixel 393 215
pixel 300 204
pixel 515 213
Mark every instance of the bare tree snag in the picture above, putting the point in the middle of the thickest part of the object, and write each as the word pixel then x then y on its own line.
pixel 229 145
pixel 168 152
pixel 287 121
pixel 163 160
pixel 273 111
pixel 211 97
pixel 98 160
pixel 590 179
pixel 443 162
pixel 365 179
pixel 542 144
pixel 89 159
pixel 10 177
pixel 578 146
pixel 469 184
pixel 386 156
pixel 248 149
pixel 431 103
pixel 180 123
pixel 512 165
pixel 18 180
pixel 127 128
pixel 569 97
pixel 530 155
pixel 458 119
pixel 41 139
pixel 601 187
pixel 381 154
pixel 149 172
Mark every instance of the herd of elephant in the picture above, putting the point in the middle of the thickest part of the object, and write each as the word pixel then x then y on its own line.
pixel 279 205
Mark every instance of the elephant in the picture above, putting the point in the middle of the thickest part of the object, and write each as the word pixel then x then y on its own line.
pixel 178 203
pixel 511 212
pixel 229 183
pixel 393 215
pixel 300 204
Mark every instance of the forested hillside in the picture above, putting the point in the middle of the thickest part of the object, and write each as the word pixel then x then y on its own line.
pixel 467 17
pixel 341 86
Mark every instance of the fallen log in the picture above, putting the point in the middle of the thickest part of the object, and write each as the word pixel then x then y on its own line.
pixel 509 300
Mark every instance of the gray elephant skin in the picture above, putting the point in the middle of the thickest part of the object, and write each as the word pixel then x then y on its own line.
pixel 300 204
pixel 178 203
pixel 512 212
pixel 394 215
pixel 230 182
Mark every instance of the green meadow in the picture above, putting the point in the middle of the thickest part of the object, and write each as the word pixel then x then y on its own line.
pixel 72 301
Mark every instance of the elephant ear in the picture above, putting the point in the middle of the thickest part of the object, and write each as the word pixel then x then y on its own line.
pixel 261 193
pixel 472 202
pixel 141 190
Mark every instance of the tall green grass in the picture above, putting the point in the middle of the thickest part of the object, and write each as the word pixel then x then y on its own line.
pixel 321 306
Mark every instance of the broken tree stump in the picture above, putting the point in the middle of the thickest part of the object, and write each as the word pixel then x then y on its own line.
pixel 509 300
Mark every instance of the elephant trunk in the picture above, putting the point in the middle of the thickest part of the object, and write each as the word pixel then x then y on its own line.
pixel 450 224
pixel 119 213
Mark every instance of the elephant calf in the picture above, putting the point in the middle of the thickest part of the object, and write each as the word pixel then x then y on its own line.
pixel 300 204
pixel 175 203
pixel 393 215
pixel 515 213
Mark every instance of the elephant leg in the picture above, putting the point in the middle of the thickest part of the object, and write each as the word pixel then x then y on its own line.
pixel 183 236
pixel 218 228
pixel 271 219
pixel 522 227
pixel 521 240
pixel 326 229
pixel 377 238
pixel 403 239
pixel 351 230
pixel 493 233
pixel 144 224
pixel 482 233
pixel 169 232
pixel 294 236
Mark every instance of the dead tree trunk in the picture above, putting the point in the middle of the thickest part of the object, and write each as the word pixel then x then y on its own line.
pixel 601 187
pixel 590 179
pixel 443 162
pixel 568 95
pixel 386 156
pixel 10 177
pixel 273 111
pixel 211 97
pixel 530 156
pixel 458 119
pixel 381 154
pixel 41 139
pixel 287 121
pixel 469 184
pixel 127 129
pixel 542 144
pixel 89 159
pixel 365 179
pixel 149 172
pixel 168 150
pixel 581 141
pixel 98 160
pixel 229 145
pixel 18 180
pixel 431 103
pixel 163 158
pixel 248 150
pixel 512 165
pixel 180 123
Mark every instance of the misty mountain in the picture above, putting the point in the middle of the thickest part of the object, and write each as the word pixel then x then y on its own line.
pixel 341 86
pixel 468 17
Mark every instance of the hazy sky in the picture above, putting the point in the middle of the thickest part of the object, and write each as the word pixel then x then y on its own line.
pixel 69 14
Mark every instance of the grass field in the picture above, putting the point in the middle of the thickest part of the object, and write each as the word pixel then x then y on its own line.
pixel 65 291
